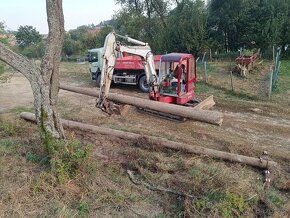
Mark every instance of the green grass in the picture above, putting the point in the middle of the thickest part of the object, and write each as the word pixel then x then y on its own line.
pixel 83 208
pixel 9 147
pixel 7 129
pixel 210 89
pixel 1 69
pixel 37 158
pixel 283 82
pixel 22 109
pixel 75 71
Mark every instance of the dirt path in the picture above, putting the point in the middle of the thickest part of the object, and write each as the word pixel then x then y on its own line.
pixel 15 93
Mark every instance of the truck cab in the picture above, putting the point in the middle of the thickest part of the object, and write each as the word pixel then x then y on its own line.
pixel 94 58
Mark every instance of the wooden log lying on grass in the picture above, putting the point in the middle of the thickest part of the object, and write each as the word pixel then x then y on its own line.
pixel 212 117
pixel 162 142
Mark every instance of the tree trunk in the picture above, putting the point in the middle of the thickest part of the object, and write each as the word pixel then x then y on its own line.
pixel 44 80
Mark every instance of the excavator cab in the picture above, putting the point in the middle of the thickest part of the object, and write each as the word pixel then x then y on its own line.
pixel 177 78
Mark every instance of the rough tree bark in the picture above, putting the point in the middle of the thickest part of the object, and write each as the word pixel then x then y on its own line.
pixel 44 80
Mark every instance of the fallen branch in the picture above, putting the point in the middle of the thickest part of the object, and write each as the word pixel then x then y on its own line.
pixel 162 142
pixel 155 188
pixel 212 117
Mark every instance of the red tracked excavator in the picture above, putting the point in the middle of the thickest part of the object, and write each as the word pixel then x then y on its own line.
pixel 174 82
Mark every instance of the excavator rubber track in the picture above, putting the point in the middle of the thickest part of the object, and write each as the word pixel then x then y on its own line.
pixel 162 115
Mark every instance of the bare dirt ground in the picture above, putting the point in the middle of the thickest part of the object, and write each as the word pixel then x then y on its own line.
pixel 15 93
pixel 249 127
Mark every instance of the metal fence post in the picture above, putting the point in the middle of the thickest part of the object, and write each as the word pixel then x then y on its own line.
pixel 205 73
pixel 273 53
pixel 232 80
pixel 203 57
pixel 270 82
pixel 277 66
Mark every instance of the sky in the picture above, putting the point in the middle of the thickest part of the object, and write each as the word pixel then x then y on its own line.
pixel 17 13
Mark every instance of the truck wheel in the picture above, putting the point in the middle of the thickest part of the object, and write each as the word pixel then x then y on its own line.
pixel 93 76
pixel 98 80
pixel 144 87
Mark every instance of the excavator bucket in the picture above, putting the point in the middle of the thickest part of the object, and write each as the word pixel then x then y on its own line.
pixel 111 108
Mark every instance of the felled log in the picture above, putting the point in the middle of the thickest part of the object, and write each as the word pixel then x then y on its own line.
pixel 212 117
pixel 206 104
pixel 162 142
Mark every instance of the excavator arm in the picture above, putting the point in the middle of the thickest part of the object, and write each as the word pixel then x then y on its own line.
pixel 108 63
pixel 111 49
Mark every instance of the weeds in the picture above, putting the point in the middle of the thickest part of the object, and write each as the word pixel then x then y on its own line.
pixel 35 158
pixel 217 188
pixel 8 147
pixel 7 129
pixel 68 159
pixel 231 205
pixel 275 198
pixel 83 208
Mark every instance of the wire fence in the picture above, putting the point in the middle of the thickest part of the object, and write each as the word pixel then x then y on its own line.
pixel 274 71
pixel 221 72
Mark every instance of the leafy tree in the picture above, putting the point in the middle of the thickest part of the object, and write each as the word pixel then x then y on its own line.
pixel 2 27
pixel 27 35
pixel 222 22
pixel 71 46
pixel 89 39
pixel 186 27
pixel 79 40
pixel 101 35
pixel 248 23
pixel 3 33
pixel 3 39
pixel 34 51
pixel 143 20
pixel 130 24
pixel 279 21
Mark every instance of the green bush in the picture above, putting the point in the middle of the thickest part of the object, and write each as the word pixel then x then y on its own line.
pixel 227 204
pixel 33 51
pixel 69 158
pixel 42 159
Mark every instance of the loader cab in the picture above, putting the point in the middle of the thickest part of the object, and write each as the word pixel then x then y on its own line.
pixel 177 78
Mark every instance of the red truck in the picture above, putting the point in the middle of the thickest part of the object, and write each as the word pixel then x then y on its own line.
pixel 128 69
